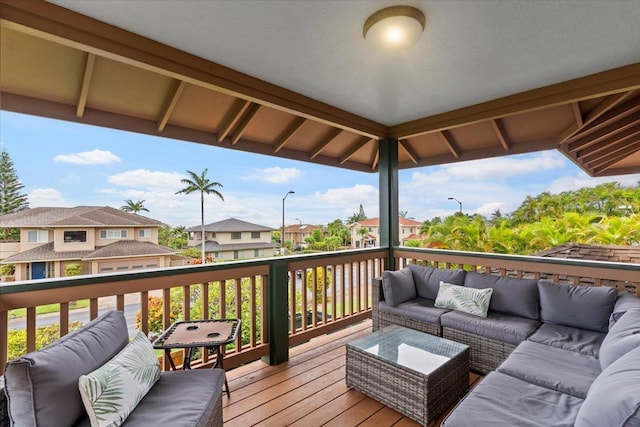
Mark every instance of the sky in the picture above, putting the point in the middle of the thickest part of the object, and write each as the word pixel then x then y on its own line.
pixel 67 164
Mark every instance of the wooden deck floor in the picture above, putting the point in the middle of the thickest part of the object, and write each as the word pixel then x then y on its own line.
pixel 309 390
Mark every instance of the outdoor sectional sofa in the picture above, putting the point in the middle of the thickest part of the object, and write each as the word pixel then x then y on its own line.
pixel 554 354
pixel 42 387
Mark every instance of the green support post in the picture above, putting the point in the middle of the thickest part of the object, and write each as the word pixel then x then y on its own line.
pixel 388 196
pixel 277 313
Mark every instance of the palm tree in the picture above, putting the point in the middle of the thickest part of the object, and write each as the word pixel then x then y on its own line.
pixel 133 207
pixel 202 184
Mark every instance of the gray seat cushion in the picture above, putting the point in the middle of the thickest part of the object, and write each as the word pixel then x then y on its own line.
pixel 519 297
pixel 561 370
pixel 398 286
pixel 579 306
pixel 569 338
pixel 501 400
pixel 496 326
pixel 427 279
pixel 42 387
pixel 614 397
pixel 623 337
pixel 421 309
pixel 624 302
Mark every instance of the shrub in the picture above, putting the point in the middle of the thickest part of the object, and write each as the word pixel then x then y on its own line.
pixel 45 335
pixel 74 269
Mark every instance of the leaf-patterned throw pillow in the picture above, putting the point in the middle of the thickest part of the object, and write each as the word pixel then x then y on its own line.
pixel 111 392
pixel 469 300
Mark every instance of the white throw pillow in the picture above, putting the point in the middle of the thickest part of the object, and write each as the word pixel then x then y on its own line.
pixel 111 392
pixel 469 300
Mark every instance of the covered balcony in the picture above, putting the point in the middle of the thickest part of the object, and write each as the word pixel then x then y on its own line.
pixel 156 69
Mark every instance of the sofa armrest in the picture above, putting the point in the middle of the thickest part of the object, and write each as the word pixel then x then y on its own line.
pixel 377 295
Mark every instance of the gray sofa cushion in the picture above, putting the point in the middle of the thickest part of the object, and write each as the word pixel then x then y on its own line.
pixel 519 297
pixel 42 387
pixel 420 309
pixel 614 397
pixel 398 286
pixel 623 337
pixel 504 401
pixel 579 306
pixel 561 370
pixel 569 338
pixel 496 326
pixel 427 279
pixel 625 301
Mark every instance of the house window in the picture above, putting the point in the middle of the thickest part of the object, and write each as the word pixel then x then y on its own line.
pixel 236 235
pixel 75 236
pixel 257 252
pixel 145 232
pixel 370 229
pixel 111 234
pixel 255 234
pixel 212 234
pixel 236 254
pixel 38 236
pixel 217 255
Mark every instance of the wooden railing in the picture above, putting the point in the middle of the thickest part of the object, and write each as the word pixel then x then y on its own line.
pixel 235 290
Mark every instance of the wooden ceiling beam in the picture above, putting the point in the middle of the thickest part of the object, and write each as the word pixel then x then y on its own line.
pixel 605 83
pixel 628 150
pixel 376 159
pixel 407 148
pixel 605 105
pixel 355 147
pixel 603 133
pixel 245 120
pixel 326 140
pixel 64 26
pixel 289 131
pixel 234 114
pixel 613 148
pixel 612 116
pixel 603 147
pixel 577 113
pixel 86 83
pixel 170 105
pixel 452 145
pixel 501 132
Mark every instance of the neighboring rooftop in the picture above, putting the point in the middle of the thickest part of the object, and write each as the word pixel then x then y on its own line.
pixel 230 225
pixel 79 216
pixel 213 246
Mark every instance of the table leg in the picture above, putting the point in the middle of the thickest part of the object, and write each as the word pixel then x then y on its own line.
pixel 186 362
pixel 219 362
pixel 167 355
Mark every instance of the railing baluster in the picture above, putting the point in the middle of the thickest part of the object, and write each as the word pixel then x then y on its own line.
pixel 264 337
pixel 4 338
pixel 314 296
pixel 252 312
pixel 238 300
pixel 303 291
pixel 334 292
pixel 64 318
pixel 120 302
pixel 31 329
pixel 93 308
pixel 186 302
pixel 144 312
pixel 292 302
pixel 204 291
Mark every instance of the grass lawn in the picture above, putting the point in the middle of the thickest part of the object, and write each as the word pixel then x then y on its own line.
pixel 49 308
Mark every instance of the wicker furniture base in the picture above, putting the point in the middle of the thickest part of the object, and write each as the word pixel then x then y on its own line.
pixel 418 395
pixel 383 319
pixel 486 354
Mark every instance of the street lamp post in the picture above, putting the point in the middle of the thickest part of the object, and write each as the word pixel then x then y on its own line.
pixel 282 235
pixel 459 202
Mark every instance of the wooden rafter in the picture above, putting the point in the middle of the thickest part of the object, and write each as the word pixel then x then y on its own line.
pixel 613 116
pixel 407 148
pixel 86 83
pixel 172 101
pixel 627 151
pixel 603 133
pixel 501 132
pixel 376 159
pixel 243 123
pixel 602 148
pixel 608 103
pixel 326 140
pixel 355 147
pixel 452 145
pixel 577 113
pixel 289 131
pixel 233 116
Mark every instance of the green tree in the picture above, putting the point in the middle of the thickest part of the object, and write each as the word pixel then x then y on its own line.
pixel 337 228
pixel 333 242
pixel 357 216
pixel 200 183
pixel 173 237
pixel 11 198
pixel 134 207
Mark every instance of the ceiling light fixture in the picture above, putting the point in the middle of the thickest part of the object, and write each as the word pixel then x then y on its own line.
pixel 395 27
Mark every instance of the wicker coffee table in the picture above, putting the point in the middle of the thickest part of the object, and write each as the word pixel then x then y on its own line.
pixel 417 374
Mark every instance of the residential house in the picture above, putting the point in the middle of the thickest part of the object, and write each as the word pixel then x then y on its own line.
pixel 232 239
pixel 299 232
pixel 101 239
pixel 409 230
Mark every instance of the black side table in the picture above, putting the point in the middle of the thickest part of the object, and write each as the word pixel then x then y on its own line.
pixel 191 334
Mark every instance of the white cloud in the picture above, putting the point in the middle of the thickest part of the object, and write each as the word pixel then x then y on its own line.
pixel 150 180
pixel 571 183
pixel 348 200
pixel 95 157
pixel 46 197
pixel 275 175
pixel 488 208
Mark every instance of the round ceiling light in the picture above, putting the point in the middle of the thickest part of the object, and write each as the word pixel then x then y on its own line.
pixel 395 27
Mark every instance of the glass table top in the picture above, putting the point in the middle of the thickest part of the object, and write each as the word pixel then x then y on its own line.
pixel 408 348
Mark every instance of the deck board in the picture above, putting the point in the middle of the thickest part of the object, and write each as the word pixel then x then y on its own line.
pixel 308 390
